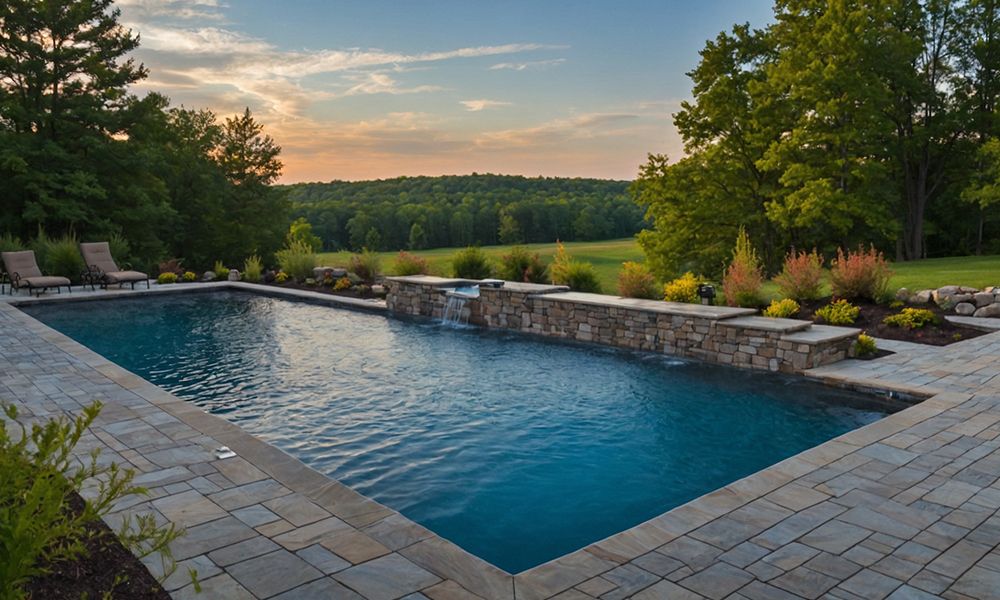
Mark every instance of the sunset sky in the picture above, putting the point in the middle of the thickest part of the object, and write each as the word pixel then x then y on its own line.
pixel 374 89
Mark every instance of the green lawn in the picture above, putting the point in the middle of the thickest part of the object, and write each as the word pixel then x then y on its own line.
pixel 607 257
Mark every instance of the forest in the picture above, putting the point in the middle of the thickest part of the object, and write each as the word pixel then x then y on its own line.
pixel 463 210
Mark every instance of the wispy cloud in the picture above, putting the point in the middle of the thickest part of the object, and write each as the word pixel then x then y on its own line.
pixel 529 65
pixel 556 131
pixel 483 104
pixel 139 10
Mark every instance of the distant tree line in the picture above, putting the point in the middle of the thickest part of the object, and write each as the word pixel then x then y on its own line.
pixel 81 156
pixel 841 123
pixel 464 210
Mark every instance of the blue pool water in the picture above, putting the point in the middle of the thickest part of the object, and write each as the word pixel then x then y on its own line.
pixel 517 449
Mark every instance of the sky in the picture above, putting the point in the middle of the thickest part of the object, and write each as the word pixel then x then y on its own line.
pixel 373 89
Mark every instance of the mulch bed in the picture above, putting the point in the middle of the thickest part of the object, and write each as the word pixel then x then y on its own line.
pixel 94 574
pixel 870 320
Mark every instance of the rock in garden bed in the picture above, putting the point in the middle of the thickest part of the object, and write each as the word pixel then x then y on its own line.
pixel 872 315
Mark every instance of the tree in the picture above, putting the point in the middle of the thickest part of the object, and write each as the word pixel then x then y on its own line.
pixel 301 231
pixel 418 239
pixel 510 230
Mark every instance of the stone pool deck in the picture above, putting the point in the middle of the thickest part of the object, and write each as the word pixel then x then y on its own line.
pixel 904 508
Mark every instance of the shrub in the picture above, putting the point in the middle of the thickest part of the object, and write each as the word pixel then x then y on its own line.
pixel 521 265
pixel 682 289
pixel 41 474
pixel 471 263
pixel 410 264
pixel 297 260
pixel 221 270
pixel 840 312
pixel 121 250
pixel 912 318
pixel 801 276
pixel 344 283
pixel 168 277
pixel 366 265
pixel 744 277
pixel 782 309
pixel 636 281
pixel 171 266
pixel 189 276
pixel 280 277
pixel 10 243
pixel 582 277
pixel 252 269
pixel 865 346
pixel 559 269
pixel 63 259
pixel 860 274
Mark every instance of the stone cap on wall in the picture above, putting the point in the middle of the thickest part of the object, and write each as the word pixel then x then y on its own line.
pixel 821 334
pixel 657 306
pixel 433 281
pixel 529 288
pixel 767 324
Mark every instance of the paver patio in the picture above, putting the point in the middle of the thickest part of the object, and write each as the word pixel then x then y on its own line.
pixel 904 508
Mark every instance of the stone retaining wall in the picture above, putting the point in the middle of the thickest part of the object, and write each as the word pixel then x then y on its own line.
pixel 724 335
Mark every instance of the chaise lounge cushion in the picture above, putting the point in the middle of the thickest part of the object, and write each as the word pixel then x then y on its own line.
pixel 24 271
pixel 98 255
pixel 125 276
pixel 42 282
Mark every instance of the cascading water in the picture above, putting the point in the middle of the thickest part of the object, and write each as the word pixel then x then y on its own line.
pixel 454 311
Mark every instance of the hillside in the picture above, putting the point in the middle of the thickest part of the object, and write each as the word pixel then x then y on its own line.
pixel 462 210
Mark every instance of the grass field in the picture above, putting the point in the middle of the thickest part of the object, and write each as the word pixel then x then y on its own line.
pixel 607 257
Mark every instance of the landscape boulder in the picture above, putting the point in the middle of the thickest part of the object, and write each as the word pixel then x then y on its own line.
pixel 993 310
pixel 922 297
pixel 983 299
pixel 966 309
pixel 903 295
pixel 234 275
pixel 319 273
pixel 208 276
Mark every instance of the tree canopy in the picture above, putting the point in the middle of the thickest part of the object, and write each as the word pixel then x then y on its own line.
pixel 842 122
pixel 80 154
pixel 463 210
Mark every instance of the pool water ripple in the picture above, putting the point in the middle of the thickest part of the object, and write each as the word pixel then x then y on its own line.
pixel 516 448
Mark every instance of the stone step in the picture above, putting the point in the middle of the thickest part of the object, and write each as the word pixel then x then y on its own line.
pixel 821 334
pixel 713 313
pixel 766 324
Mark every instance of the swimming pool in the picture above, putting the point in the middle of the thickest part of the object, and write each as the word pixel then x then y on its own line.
pixel 518 449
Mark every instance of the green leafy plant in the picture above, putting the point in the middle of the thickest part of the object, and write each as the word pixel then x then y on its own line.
pixel 582 277
pixel 39 474
pixel 840 312
pixel 865 346
pixel 367 265
pixel 744 276
pixel 280 277
pixel 166 278
pixel 682 289
pixel 253 268
pixel 188 276
pixel 636 281
pixel 410 264
pixel 471 263
pixel 10 243
pixel 801 276
pixel 860 274
pixel 897 304
pixel 782 309
pixel 221 270
pixel 578 275
pixel 522 265
pixel 912 318
pixel 121 249
pixel 297 260
pixel 60 256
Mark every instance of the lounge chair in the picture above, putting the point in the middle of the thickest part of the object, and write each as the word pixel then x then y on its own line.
pixel 102 269
pixel 23 271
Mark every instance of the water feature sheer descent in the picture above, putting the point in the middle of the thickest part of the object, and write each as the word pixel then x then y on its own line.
pixel 517 449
